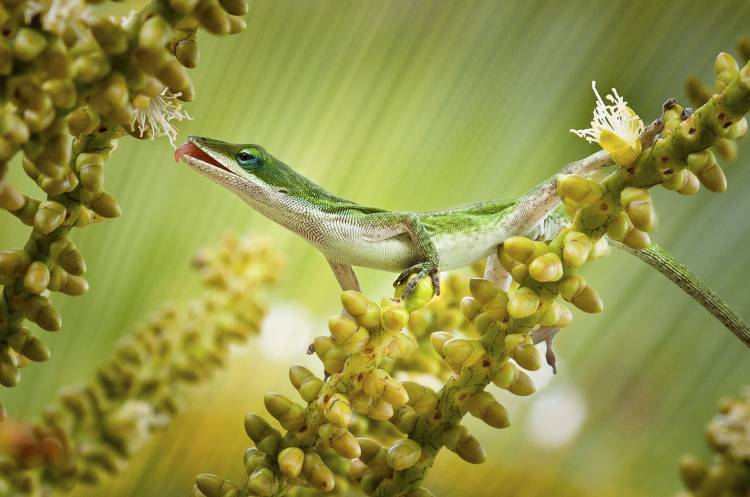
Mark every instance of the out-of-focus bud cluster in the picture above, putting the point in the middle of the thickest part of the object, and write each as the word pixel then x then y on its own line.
pixel 71 83
pixel 728 473
pixel 699 93
pixel 91 430
pixel 676 157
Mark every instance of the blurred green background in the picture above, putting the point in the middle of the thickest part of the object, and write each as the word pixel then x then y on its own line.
pixel 421 105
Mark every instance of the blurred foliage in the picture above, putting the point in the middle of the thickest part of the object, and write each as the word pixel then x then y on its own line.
pixel 728 435
pixel 92 430
pixel 422 104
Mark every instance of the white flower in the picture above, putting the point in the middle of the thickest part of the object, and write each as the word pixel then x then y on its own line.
pixel 154 115
pixel 615 127
pixel 58 15
pixel 134 422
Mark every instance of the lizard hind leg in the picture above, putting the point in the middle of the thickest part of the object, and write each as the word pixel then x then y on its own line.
pixel 346 276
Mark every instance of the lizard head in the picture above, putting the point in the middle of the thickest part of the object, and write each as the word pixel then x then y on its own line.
pixel 247 170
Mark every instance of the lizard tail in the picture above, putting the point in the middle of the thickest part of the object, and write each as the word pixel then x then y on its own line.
pixel 662 261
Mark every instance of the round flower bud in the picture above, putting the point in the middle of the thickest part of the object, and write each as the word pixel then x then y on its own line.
pixel 290 462
pixel 523 303
pixel 37 277
pixel 338 411
pixel 547 267
pixel 576 248
pixel 403 454
pixel 421 295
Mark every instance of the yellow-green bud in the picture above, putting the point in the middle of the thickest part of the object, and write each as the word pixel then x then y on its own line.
pixel 262 482
pixel 737 130
pixel 354 303
pixel 338 410
pixel 214 486
pixel 483 290
pixel 726 70
pixel 461 352
pixel 154 33
pixel 343 442
pixel 523 303
pixel 347 334
pixel 421 295
pixel 290 462
pixel 506 375
pixel 401 346
pixel 527 356
pixel 619 226
pixel 37 277
pixel 421 398
pixel 484 406
pixel 29 346
pixel 471 451
pixel 403 454
pixel 637 203
pixel 438 340
pixel 212 17
pixel 28 43
pixel 588 300
pixel 9 374
pixel 187 52
pixel 381 410
pixel 317 473
pixel 253 459
pixel 393 315
pixel 580 190
pixel 394 393
pixel 576 248
pixel 234 7
pixel 256 427
pixel 373 383
pixel 470 307
pixel 49 217
pixel 13 262
pixel 637 239
pixel 523 385
pixel 289 414
pixel 547 267
pixel 90 171
pixel 105 205
pixel 519 249
pixel 39 310
pixel 692 471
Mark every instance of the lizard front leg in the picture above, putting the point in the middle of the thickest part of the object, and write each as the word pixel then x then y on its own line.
pixel 429 264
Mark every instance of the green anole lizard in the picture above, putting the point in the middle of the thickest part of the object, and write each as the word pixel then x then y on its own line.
pixel 424 243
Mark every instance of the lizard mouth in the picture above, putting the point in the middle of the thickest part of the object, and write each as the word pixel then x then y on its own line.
pixel 193 151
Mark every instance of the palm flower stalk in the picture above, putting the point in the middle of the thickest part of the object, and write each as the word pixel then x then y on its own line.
pixel 495 341
pixel 91 430
pixel 71 84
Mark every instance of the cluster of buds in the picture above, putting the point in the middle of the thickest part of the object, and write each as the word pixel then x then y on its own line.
pixel 675 155
pixel 493 342
pixel 699 93
pixel 90 432
pixel 71 84
pixel 728 435
pixel 442 313
pixel 319 447
pixel 318 440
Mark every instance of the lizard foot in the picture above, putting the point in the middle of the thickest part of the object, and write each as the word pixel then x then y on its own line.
pixel 421 270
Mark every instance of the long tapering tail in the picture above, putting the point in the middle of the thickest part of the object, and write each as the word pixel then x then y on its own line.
pixel 662 261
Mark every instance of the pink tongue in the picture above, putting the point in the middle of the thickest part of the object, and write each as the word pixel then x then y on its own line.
pixel 187 149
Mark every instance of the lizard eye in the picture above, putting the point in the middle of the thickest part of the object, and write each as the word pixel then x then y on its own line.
pixel 248 157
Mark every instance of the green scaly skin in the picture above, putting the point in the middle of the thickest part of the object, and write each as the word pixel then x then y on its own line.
pixel 423 243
